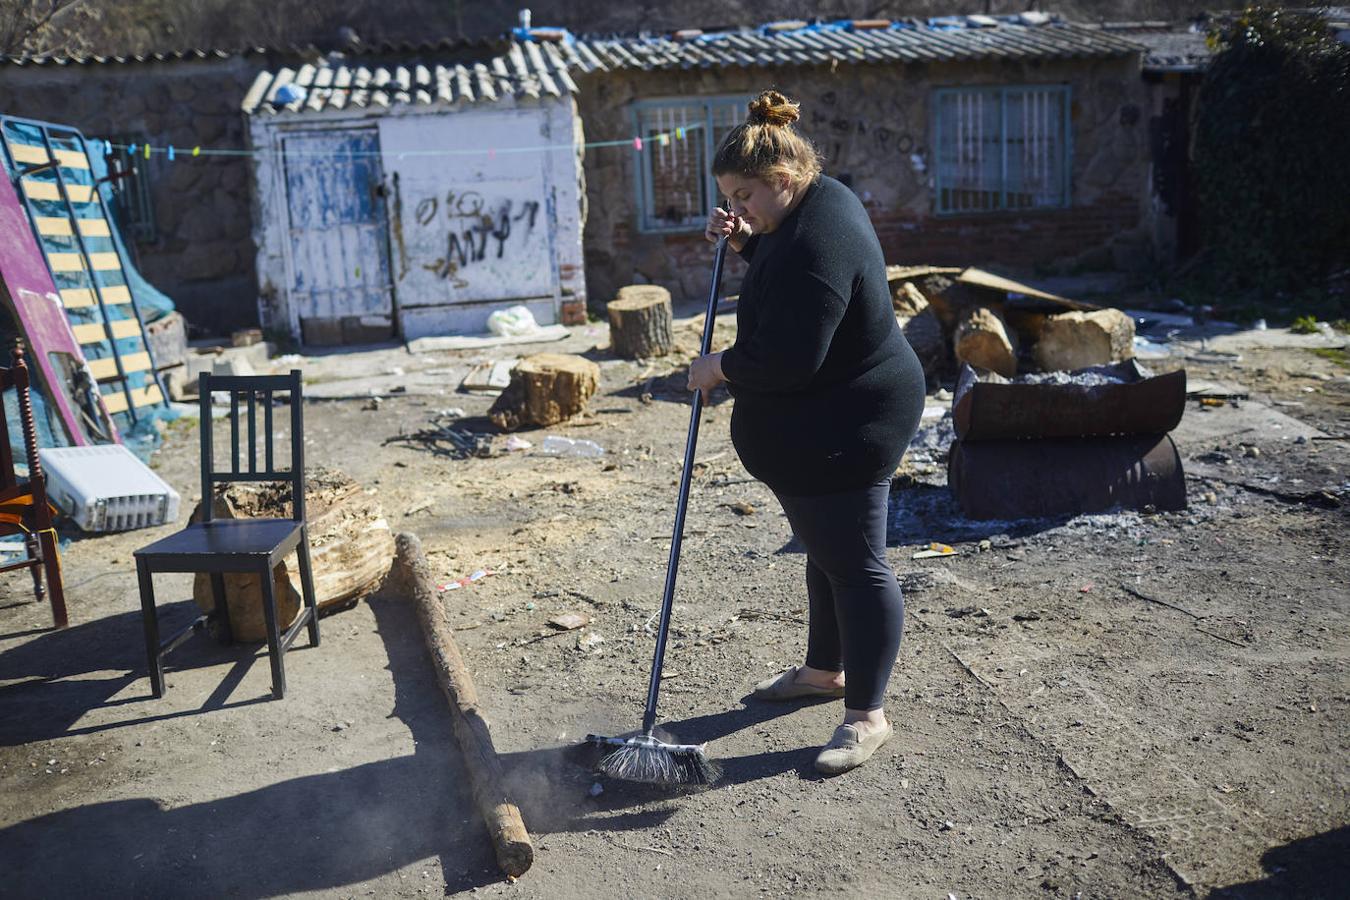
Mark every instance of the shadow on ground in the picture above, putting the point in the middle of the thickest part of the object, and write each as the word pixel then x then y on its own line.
pixel 1311 868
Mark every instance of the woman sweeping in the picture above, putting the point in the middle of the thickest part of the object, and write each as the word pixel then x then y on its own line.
pixel 828 396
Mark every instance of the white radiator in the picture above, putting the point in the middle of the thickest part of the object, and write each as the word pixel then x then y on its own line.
pixel 106 488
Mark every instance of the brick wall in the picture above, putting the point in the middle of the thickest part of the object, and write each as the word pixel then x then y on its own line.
pixel 872 126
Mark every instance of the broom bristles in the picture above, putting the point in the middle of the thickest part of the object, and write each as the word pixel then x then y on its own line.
pixel 647 760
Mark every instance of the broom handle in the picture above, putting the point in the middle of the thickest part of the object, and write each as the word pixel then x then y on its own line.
pixel 677 537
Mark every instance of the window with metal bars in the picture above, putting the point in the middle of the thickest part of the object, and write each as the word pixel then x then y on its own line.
pixel 128 174
pixel 1001 148
pixel 675 189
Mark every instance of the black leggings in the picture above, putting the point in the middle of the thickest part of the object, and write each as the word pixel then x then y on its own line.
pixel 857 611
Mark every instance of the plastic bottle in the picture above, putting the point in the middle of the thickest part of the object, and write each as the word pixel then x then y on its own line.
pixel 555 445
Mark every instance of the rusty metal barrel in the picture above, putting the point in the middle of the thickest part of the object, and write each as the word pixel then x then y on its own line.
pixel 1068 443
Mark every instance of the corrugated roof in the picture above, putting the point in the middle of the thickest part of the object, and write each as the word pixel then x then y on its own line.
pixel 950 38
pixel 528 70
pixel 1168 48
pixel 376 47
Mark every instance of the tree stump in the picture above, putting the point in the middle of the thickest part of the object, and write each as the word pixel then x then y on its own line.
pixel 640 321
pixel 984 340
pixel 545 389
pixel 351 548
pixel 1077 340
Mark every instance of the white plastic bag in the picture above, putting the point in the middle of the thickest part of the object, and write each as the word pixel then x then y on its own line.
pixel 512 322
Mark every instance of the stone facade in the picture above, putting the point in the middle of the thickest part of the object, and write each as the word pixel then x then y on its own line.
pixel 872 124
pixel 201 253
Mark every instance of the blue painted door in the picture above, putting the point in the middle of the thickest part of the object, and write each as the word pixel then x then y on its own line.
pixel 339 259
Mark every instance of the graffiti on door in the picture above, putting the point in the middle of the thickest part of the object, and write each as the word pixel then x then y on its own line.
pixel 478 229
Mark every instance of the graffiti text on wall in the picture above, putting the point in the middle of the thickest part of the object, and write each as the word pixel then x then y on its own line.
pixel 479 229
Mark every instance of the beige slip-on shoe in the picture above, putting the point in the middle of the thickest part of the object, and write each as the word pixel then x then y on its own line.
pixel 787 687
pixel 848 749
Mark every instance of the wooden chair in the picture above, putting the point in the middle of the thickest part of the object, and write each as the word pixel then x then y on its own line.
pixel 23 507
pixel 218 546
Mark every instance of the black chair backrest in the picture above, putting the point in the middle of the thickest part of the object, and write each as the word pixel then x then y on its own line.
pixel 253 390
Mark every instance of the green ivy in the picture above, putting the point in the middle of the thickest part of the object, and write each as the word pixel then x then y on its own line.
pixel 1272 153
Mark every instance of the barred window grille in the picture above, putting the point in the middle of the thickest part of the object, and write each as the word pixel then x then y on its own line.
pixel 1001 148
pixel 675 189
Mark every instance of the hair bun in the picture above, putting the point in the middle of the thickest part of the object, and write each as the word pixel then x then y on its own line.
pixel 772 108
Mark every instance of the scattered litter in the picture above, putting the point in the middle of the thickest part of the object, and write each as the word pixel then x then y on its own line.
pixel 488 378
pixel 465 581
pixel 596 789
pixel 556 445
pixel 514 321
pixel 741 508
pixel 934 549
pixel 515 442
pixel 1086 589
pixel 477 342
pixel 451 412
pixel 418 507
pixel 570 621
pixel 589 641
pixel 443 438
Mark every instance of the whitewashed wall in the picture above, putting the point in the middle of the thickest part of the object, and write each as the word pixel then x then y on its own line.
pixel 468 233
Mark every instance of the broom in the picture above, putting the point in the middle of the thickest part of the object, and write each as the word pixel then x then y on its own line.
pixel 643 756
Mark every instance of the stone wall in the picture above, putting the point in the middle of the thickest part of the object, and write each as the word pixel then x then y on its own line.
pixel 202 254
pixel 872 125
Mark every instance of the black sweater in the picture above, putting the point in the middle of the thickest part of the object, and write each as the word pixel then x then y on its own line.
pixel 828 391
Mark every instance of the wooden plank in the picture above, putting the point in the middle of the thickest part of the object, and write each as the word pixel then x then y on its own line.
pixel 94 227
pixel 53 226
pixel 48 190
pixel 77 298
pixel 116 402
pixel 80 298
pixel 89 334
pixel 72 159
pixel 116 295
pixel 29 154
pixel 147 396
pixel 105 262
pixel 95 332
pixel 65 262
pixel 103 369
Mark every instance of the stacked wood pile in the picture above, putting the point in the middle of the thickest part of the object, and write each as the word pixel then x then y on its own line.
pixel 953 316
pixel 351 548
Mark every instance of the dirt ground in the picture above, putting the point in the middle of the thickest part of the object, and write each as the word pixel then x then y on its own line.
pixel 1057 734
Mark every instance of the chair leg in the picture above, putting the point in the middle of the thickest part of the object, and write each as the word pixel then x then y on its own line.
pixel 273 635
pixel 34 548
pixel 307 586
pixel 225 634
pixel 150 619
pixel 56 591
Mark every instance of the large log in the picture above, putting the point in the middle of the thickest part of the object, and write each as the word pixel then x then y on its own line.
pixel 640 322
pixel 984 340
pixel 1077 340
pixel 545 389
pixel 351 547
pixel 412 578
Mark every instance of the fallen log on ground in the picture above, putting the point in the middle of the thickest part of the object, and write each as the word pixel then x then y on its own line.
pixel 984 340
pixel 350 548
pixel 411 578
pixel 1077 340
